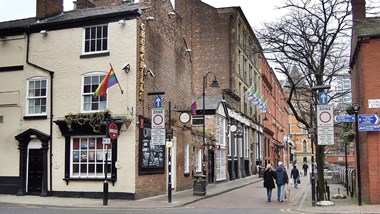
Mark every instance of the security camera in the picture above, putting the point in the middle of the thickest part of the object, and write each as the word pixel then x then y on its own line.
pixel 150 72
pixel 126 68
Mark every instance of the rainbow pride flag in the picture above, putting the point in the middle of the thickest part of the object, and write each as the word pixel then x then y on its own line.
pixel 194 107
pixel 106 83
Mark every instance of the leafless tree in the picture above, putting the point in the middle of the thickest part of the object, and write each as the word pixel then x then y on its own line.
pixel 313 38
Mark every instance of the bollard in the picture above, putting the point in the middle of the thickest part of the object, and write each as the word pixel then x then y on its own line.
pixel 328 193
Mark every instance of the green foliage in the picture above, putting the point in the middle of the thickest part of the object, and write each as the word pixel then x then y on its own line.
pixel 93 119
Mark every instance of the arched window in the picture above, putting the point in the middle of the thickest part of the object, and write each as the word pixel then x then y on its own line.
pixel 304 146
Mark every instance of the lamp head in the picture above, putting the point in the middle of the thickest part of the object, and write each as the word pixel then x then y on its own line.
pixel 214 84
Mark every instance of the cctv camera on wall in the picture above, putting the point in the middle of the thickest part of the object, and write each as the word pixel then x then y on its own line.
pixel 150 72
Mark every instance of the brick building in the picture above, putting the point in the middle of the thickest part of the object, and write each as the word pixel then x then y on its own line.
pixel 58 59
pixel 365 89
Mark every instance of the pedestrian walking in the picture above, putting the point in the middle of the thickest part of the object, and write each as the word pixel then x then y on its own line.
pixel 282 179
pixel 305 167
pixel 295 174
pixel 269 176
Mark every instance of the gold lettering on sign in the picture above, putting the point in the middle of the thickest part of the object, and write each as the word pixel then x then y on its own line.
pixel 142 61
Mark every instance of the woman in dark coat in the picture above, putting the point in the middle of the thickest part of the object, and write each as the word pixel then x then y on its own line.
pixel 269 176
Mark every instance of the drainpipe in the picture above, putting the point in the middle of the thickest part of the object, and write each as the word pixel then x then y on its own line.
pixel 51 73
pixel 230 52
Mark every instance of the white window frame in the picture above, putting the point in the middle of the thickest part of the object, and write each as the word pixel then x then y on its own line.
pixel 98 160
pixel 221 165
pixel 89 98
pixel 33 98
pixel 186 161
pixel 95 39
pixel 199 161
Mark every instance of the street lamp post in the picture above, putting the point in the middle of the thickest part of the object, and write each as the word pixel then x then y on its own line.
pixel 213 84
pixel 259 145
pixel 356 111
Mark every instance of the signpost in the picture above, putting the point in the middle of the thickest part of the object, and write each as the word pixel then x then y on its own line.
pixel 369 128
pixel 345 118
pixel 113 130
pixel 325 124
pixel 323 98
pixel 158 118
pixel 368 119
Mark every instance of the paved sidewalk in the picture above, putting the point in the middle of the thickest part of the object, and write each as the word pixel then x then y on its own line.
pixel 182 198
pixel 179 199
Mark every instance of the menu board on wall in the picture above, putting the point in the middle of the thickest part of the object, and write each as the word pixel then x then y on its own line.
pixel 152 157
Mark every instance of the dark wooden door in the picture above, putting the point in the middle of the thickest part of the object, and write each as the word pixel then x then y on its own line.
pixel 35 171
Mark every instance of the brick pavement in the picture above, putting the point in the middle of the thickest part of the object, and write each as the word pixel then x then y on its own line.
pixel 300 200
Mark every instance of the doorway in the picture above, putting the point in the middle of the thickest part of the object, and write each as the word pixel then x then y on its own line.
pixel 34 182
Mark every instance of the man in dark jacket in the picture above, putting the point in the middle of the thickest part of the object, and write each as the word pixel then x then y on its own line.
pixel 295 174
pixel 305 167
pixel 282 179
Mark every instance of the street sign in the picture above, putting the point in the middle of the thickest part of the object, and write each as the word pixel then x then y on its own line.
pixel 325 115
pixel 323 98
pixel 326 135
pixel 113 130
pixel 373 103
pixel 158 118
pixel 366 128
pixel 158 102
pixel 157 137
pixel 368 119
pixel 345 118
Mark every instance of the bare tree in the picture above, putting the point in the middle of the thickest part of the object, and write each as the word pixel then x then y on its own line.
pixel 313 38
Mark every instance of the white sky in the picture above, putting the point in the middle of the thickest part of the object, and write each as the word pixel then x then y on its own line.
pixel 256 11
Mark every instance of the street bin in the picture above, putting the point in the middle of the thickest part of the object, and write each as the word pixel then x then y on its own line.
pixel 199 187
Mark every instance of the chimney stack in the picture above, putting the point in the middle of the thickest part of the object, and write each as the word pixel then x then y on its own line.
pixel 48 8
pixel 358 9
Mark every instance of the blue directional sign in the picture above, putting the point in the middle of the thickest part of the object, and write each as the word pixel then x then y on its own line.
pixel 364 128
pixel 323 98
pixel 368 119
pixel 345 118
pixel 158 102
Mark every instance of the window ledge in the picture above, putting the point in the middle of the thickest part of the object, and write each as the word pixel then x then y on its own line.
pixel 92 55
pixel 39 117
pixel 89 179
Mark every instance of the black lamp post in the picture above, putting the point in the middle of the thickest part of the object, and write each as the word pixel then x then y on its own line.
pixel 213 84
pixel 356 111
pixel 259 146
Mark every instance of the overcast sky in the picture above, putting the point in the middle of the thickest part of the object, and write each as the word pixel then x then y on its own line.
pixel 256 11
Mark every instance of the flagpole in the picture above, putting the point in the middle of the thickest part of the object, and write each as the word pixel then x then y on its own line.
pixel 122 92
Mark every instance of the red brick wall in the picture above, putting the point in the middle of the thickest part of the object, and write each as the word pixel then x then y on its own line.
pixel 165 55
pixel 365 85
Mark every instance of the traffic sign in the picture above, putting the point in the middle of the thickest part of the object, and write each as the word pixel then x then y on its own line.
pixel 323 98
pixel 158 118
pixel 345 118
pixel 157 137
pixel 368 119
pixel 158 102
pixel 326 135
pixel 113 130
pixel 325 115
pixel 369 128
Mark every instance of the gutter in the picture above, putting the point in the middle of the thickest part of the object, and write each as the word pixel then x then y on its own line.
pixel 51 73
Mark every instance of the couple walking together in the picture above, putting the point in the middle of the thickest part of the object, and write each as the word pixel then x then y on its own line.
pixel 281 177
